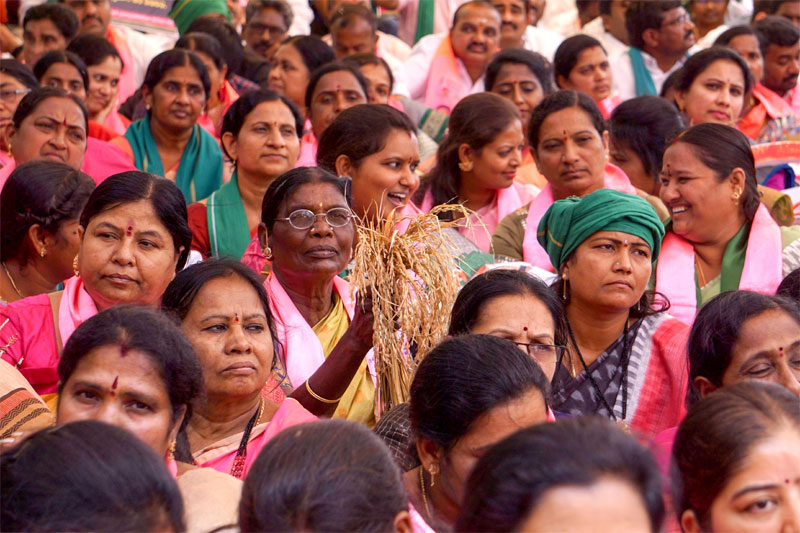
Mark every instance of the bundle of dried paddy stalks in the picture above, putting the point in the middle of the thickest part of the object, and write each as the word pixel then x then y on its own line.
pixel 413 278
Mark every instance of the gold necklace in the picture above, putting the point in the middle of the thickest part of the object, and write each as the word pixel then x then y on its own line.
pixel 700 271
pixel 14 285
pixel 424 497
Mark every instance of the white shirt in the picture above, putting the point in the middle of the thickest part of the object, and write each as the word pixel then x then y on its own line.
pixel 302 17
pixel 418 65
pixel 708 39
pixel 612 45
pixel 542 41
pixel 624 81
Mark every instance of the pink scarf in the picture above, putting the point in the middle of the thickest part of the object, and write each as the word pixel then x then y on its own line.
pixel 75 308
pixel 763 266
pixel 532 251
pixel 445 87
pixel 481 225
pixel 608 104
pixel 308 151
pixel 302 351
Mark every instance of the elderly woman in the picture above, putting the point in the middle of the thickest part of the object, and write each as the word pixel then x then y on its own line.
pixel 134 237
pixel 39 209
pixel 168 142
pixel 581 64
pixel 569 142
pixel 307 233
pixel 476 166
pixel 261 135
pixel 468 393
pixel 513 305
pixel 225 314
pixel 331 89
pixel 131 367
pixel 721 237
pixel 626 357
pixel 524 78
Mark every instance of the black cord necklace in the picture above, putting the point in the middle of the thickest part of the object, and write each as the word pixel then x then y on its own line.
pixel 627 347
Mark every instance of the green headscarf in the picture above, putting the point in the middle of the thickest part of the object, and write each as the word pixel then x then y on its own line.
pixel 185 11
pixel 567 223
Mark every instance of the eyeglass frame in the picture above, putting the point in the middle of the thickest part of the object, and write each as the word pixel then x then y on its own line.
pixel 317 215
pixel 559 349
pixel 7 95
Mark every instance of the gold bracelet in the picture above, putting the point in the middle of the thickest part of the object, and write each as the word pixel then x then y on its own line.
pixel 317 396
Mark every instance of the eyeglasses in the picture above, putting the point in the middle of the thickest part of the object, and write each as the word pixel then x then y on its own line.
pixel 9 95
pixel 304 218
pixel 543 352
pixel 680 20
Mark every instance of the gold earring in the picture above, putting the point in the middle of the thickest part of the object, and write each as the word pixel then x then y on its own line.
pixel 75 266
pixel 43 252
pixel 171 450
pixel 564 291
pixel 267 253
pixel 433 470
pixel 736 195
pixel 465 166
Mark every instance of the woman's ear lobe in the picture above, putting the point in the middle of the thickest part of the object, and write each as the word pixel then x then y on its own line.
pixel 343 166
pixel 173 432
pixel 263 235
pixel 689 522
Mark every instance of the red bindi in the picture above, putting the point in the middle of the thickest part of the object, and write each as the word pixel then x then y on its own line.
pixel 236 318
pixel 114 385
pixel 524 329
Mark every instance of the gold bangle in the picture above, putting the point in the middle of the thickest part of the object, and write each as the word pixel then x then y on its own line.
pixel 317 396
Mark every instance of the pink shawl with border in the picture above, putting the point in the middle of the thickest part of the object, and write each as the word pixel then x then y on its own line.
pixel 532 251
pixel 444 88
pixel 763 266
pixel 481 225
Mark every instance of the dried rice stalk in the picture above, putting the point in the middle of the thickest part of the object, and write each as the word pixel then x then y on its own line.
pixel 413 278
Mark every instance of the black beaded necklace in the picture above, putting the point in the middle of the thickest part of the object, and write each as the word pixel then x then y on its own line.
pixel 627 347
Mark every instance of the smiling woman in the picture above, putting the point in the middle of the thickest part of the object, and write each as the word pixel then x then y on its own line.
pixel 134 237
pixel 626 356
pixel 476 166
pixel 721 237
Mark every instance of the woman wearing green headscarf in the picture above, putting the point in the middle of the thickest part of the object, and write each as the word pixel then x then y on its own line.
pixel 168 142
pixel 626 357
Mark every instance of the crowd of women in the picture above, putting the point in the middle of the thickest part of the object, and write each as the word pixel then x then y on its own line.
pixel 182 350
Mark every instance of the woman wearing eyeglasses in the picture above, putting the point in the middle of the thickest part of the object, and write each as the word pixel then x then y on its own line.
pixel 307 232
pixel 16 81
pixel 626 357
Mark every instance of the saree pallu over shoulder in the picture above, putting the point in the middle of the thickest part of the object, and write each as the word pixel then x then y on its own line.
pixel 228 233
pixel 533 253
pixel 656 378
pixel 200 168
pixel 28 341
pixel 762 270
pixel 220 455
